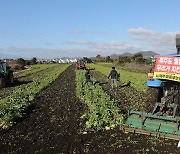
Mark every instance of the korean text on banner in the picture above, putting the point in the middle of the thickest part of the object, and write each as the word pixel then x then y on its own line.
pixel 167 67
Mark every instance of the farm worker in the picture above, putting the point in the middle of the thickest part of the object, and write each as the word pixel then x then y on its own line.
pixel 114 77
pixel 88 77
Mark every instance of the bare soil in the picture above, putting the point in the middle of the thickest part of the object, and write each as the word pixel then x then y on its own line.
pixel 53 125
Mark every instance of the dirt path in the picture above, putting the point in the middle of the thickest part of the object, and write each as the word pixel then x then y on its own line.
pixel 54 125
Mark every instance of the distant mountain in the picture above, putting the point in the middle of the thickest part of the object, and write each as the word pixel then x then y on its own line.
pixel 148 53
pixel 127 54
pixel 144 53
pixel 114 55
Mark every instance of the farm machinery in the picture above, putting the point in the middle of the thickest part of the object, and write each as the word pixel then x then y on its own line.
pixel 164 119
pixel 6 75
pixel 80 64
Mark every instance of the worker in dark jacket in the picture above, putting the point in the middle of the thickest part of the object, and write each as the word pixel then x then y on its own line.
pixel 87 77
pixel 113 75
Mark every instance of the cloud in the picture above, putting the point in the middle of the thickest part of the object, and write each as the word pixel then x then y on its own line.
pixel 146 40
pixel 117 47
pixel 49 44
pixel 90 49
pixel 82 42
pixel 15 34
pixel 102 33
pixel 162 42
pixel 46 53
pixel 105 49
pixel 77 31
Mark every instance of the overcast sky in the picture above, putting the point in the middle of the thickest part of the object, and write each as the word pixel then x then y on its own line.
pixel 78 28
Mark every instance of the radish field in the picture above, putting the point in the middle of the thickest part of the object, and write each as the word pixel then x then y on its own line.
pixel 48 110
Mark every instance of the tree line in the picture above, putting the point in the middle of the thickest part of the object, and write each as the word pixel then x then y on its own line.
pixel 137 58
pixel 24 62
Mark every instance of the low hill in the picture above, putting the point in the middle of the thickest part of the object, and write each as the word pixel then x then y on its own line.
pixel 148 53
pixel 144 53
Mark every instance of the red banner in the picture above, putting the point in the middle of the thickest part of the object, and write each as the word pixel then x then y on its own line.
pixel 167 67
pixel 167 64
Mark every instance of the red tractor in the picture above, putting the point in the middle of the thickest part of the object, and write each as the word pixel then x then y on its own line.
pixel 80 65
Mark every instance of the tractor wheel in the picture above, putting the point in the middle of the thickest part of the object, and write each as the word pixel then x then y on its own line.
pixel 11 79
pixel 2 82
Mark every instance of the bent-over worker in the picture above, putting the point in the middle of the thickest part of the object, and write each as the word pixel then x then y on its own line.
pixel 88 77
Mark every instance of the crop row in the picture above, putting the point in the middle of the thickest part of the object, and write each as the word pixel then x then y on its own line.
pixel 127 96
pixel 27 76
pixel 138 80
pixel 135 94
pixel 14 105
pixel 34 69
pixel 102 110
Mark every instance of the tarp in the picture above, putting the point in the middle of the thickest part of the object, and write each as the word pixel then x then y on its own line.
pixel 167 67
